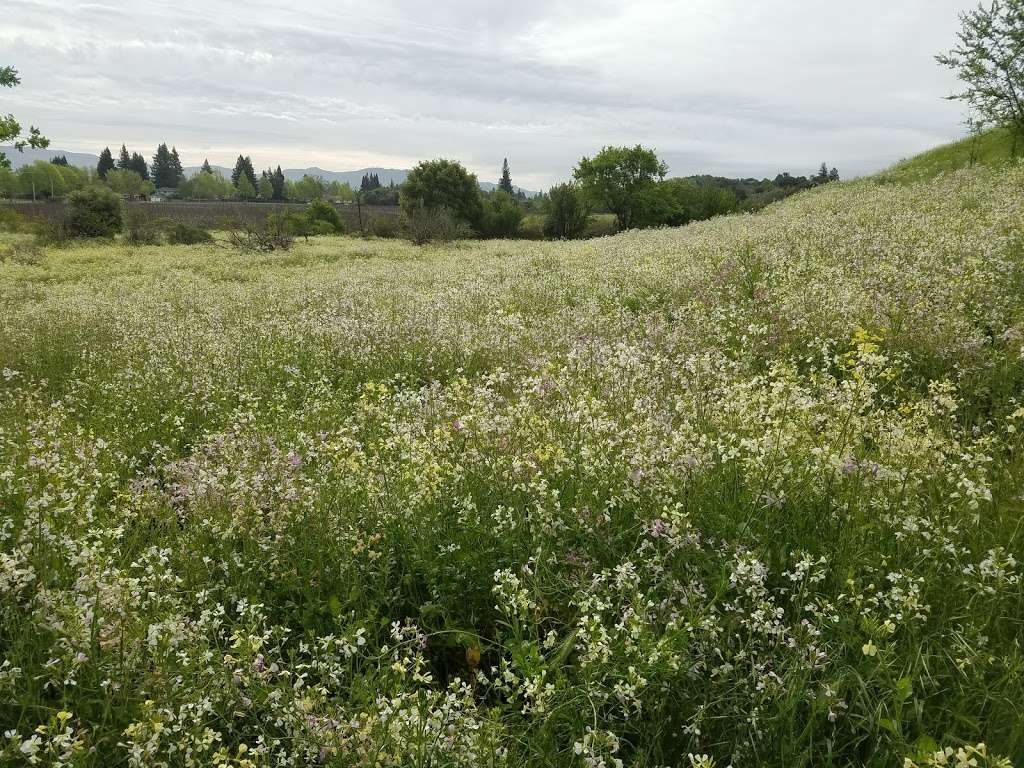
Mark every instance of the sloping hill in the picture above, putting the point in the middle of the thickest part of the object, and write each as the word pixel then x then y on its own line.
pixel 991 148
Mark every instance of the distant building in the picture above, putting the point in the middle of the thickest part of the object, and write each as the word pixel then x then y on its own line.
pixel 164 193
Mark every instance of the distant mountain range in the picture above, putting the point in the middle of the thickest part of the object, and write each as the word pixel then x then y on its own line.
pixel 352 178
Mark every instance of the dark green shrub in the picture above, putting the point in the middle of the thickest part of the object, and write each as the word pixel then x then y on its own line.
pixel 442 184
pixel 501 216
pixel 566 216
pixel 321 212
pixel 93 212
pixel 186 234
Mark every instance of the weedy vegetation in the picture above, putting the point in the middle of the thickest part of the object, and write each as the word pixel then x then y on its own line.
pixel 747 493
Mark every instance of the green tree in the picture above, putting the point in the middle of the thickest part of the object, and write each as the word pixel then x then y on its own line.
pixel 105 164
pixel 833 175
pixel 505 185
pixel 243 167
pixel 443 184
pixel 41 179
pixel 124 162
pixel 278 179
pixel 166 169
pixel 206 186
pixel 501 215
pixel 566 214
pixel 10 128
pixel 309 188
pixel 93 212
pixel 206 166
pixel 265 188
pixel 246 189
pixel 127 183
pixel 138 164
pixel 619 178
pixel 59 160
pixel 990 60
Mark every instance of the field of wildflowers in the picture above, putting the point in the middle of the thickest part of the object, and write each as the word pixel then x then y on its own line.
pixel 745 493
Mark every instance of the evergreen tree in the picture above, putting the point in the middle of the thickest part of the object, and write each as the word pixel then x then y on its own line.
pixel 59 160
pixel 163 171
pixel 833 175
pixel 206 166
pixel 822 176
pixel 278 180
pixel 243 167
pixel 178 171
pixel 137 163
pixel 105 164
pixel 505 185
pixel 124 163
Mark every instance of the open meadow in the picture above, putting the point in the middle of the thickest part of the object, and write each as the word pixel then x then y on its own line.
pixel 746 492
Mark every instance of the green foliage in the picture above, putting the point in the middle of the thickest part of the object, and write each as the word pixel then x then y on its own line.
pixel 187 234
pixel 206 185
pixel 308 188
pixel 990 60
pixel 505 184
pixel 105 164
pixel 10 128
pixel 128 183
pixel 689 201
pixel 93 212
pixel 621 179
pixel 243 169
pixel 326 214
pixel 434 185
pixel 382 196
pixel 501 215
pixel 245 188
pixel 167 170
pixel 566 214
pixel 993 148
pixel 124 160
pixel 137 163
pixel 747 493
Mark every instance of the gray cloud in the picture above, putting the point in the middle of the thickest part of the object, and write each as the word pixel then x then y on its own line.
pixel 720 86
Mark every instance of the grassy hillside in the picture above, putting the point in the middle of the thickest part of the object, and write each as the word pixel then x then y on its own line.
pixel 744 493
pixel 992 149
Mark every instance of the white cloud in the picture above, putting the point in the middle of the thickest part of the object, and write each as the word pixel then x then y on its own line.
pixel 720 86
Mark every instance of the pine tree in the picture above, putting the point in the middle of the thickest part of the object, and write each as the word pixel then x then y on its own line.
pixel 137 163
pixel 206 166
pixel 243 167
pixel 124 163
pixel 822 177
pixel 176 169
pixel 105 164
pixel 833 175
pixel 59 160
pixel 278 180
pixel 162 171
pixel 505 185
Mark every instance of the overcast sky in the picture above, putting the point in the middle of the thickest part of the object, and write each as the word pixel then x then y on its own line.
pixel 733 87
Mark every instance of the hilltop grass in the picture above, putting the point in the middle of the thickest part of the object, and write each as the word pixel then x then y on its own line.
pixel 992 149
pixel 744 493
